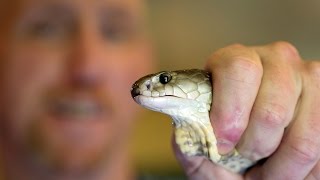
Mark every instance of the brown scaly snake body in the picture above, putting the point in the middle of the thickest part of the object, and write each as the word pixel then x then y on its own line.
pixel 186 96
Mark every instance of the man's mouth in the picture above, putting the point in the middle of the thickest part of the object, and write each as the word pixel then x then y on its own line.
pixel 76 108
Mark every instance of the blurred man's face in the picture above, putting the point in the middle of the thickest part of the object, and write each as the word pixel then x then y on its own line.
pixel 67 70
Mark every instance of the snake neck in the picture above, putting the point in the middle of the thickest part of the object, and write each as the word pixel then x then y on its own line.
pixel 194 134
pixel 189 116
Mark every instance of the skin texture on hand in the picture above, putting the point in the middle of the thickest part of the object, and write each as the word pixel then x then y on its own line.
pixel 266 104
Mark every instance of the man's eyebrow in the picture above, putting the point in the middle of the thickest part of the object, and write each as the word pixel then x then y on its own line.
pixel 53 10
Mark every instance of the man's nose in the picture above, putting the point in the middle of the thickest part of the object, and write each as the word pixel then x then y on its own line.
pixel 86 59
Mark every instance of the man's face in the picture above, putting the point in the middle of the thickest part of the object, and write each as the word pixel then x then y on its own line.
pixel 67 70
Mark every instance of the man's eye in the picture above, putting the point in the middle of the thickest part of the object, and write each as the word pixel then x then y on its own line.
pixel 47 30
pixel 115 33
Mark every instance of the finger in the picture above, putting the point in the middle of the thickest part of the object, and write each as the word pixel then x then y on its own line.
pixel 299 151
pixel 237 73
pixel 199 167
pixel 275 103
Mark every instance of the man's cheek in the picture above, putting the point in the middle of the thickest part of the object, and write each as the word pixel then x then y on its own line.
pixel 24 101
pixel 19 119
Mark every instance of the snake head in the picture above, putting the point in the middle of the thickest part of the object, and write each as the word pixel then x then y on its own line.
pixel 168 91
pixel 186 95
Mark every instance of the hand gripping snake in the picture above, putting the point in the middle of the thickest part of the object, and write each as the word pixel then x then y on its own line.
pixel 186 96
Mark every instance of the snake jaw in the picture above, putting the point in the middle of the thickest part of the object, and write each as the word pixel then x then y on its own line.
pixel 169 105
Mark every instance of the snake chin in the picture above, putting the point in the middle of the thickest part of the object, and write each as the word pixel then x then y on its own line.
pixel 167 104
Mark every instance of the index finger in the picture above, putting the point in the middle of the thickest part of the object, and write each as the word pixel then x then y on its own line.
pixel 237 73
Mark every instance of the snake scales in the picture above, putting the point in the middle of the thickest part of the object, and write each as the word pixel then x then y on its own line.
pixel 186 96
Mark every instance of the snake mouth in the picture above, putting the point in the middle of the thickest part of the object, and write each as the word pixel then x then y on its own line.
pixel 135 90
pixel 164 104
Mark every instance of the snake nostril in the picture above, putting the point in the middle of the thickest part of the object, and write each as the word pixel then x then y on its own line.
pixel 148 86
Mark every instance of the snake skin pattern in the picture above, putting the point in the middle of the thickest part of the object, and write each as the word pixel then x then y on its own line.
pixel 186 96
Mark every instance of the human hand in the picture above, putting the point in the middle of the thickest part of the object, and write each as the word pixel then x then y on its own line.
pixel 266 103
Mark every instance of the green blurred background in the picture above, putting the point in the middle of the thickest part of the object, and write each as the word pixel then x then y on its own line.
pixel 186 32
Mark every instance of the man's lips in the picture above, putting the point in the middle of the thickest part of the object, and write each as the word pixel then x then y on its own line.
pixel 76 108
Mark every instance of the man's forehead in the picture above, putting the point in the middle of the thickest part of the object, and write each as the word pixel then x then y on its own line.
pixel 130 5
pixel 12 10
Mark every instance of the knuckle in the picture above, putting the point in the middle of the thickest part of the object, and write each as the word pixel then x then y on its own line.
pixel 243 69
pixel 286 50
pixel 272 115
pixel 216 57
pixel 243 62
pixel 311 77
pixel 283 45
pixel 225 128
pixel 236 47
pixel 304 150
pixel 237 63
pixel 314 70
pixel 235 54
pixel 229 135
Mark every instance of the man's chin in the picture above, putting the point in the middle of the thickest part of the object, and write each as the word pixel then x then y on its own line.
pixel 72 162
pixel 72 144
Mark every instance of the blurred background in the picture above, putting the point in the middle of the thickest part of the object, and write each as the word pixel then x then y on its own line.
pixel 186 32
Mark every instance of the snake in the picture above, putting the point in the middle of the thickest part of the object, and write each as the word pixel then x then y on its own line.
pixel 186 96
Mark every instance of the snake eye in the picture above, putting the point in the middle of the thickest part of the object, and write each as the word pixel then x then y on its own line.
pixel 165 78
